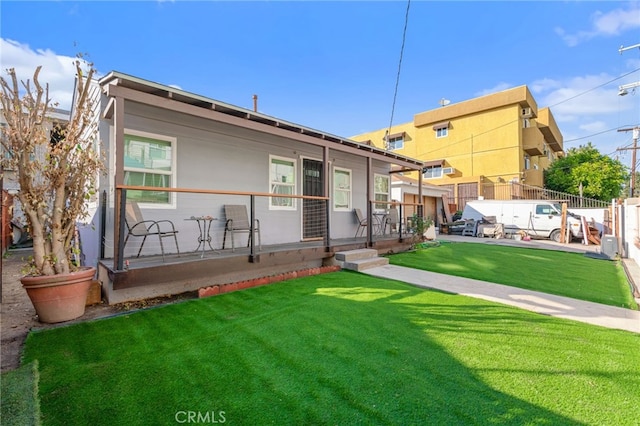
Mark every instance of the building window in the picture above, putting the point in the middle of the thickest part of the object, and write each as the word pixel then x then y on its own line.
pixel 526 123
pixel 527 162
pixel 442 129
pixel 381 191
pixel 396 142
pixel 282 176
pixel 341 189
pixel 149 160
pixel 432 172
pixel 442 133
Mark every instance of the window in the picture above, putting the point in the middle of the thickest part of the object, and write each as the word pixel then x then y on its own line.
pixel 282 176
pixel 432 172
pixel 442 132
pixel 381 191
pixel 526 123
pixel 396 142
pixel 545 209
pixel 341 189
pixel 149 160
pixel 527 162
pixel 442 129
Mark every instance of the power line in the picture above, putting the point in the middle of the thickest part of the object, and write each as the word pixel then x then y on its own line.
pixel 395 92
pixel 594 88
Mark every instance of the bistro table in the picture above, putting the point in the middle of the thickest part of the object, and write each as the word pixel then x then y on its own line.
pixel 380 222
pixel 204 226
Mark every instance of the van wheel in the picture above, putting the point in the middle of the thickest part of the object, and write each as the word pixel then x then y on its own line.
pixel 555 236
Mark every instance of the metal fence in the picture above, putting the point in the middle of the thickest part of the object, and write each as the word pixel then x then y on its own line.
pixel 520 191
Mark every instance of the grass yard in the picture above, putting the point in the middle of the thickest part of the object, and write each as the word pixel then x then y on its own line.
pixel 19 396
pixel 549 271
pixel 341 348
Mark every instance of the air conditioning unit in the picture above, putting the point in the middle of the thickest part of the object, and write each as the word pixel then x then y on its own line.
pixel 526 113
pixel 448 171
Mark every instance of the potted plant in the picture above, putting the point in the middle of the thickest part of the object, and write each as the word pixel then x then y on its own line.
pixel 56 166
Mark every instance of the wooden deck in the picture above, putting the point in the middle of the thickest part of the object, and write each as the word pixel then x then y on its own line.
pixel 150 276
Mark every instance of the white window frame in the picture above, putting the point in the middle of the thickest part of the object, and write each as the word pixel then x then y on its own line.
pixel 527 162
pixel 173 174
pixel 442 132
pixel 348 191
pixel 440 175
pixel 381 207
pixel 396 143
pixel 292 205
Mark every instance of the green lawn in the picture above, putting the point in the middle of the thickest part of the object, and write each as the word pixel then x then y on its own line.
pixel 549 271
pixel 340 348
pixel 19 403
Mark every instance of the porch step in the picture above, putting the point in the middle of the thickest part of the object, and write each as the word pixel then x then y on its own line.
pixel 359 260
pixel 351 255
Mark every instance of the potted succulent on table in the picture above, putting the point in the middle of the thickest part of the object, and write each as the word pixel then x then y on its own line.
pixel 56 167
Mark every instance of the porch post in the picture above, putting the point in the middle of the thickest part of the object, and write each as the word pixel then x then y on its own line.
pixel 327 203
pixel 369 204
pixel 121 196
pixel 252 215
pixel 421 200
pixel 118 228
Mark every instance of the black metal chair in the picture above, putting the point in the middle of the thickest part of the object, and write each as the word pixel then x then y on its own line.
pixel 362 221
pixel 393 221
pixel 238 222
pixel 138 227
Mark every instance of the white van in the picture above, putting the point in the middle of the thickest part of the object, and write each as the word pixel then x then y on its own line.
pixel 538 218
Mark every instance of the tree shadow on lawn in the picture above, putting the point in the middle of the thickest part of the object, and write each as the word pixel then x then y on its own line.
pixel 307 351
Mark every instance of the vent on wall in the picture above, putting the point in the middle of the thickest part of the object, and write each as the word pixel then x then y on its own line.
pixel 526 112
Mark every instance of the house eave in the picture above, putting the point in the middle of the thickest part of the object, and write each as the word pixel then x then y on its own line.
pixel 135 89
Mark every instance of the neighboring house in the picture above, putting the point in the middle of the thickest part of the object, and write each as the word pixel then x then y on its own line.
pixel 405 190
pixel 180 155
pixel 490 140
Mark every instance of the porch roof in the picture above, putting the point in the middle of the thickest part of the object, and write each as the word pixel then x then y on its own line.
pixel 117 84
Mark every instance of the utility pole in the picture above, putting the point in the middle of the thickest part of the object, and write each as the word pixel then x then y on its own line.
pixel 622 91
pixel 634 150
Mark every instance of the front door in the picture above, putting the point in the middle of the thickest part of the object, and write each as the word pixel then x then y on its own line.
pixel 313 211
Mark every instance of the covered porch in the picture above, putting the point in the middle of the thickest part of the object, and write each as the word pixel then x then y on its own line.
pixel 183 157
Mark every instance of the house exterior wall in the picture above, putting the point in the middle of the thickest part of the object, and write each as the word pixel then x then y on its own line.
pixel 489 139
pixel 216 156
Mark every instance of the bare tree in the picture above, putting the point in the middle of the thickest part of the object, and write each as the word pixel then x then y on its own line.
pixel 56 174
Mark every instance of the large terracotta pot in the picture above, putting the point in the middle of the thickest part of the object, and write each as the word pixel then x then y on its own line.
pixel 59 298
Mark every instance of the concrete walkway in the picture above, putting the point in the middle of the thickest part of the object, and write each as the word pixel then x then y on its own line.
pixel 543 303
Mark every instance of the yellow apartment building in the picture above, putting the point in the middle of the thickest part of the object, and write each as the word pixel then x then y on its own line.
pixel 473 146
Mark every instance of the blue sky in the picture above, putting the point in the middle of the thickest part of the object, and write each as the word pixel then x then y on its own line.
pixel 332 65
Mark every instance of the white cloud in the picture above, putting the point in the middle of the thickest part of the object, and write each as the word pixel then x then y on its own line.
pixel 594 126
pixel 57 70
pixel 581 97
pixel 607 24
